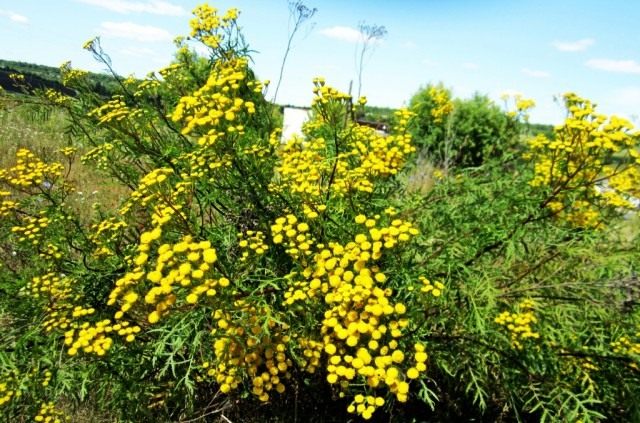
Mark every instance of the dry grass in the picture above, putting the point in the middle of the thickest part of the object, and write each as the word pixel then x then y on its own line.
pixel 23 126
pixel 421 178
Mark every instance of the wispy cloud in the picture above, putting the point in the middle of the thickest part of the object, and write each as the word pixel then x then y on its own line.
pixel 343 33
pixel 535 73
pixel 14 16
pixel 129 30
pixel 579 45
pixel 156 7
pixel 622 66
pixel 470 66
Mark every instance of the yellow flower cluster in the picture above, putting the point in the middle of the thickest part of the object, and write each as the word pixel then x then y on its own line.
pixel 7 206
pixel 359 155
pixel 324 94
pixel 51 252
pixel 207 24
pixel 149 189
pixel 62 312
pixel 170 71
pixel 623 182
pixel 30 172
pixel 256 151
pixel 68 151
pixel 8 388
pixel 252 241
pixel 104 233
pixel 583 213
pixel 311 353
pixel 130 82
pixel 331 262
pixel 56 97
pixel 60 309
pixel 625 345
pixel 146 87
pixel 443 105
pixel 90 44
pixel 205 164
pixel 216 105
pixel 361 345
pixel 362 328
pixel 574 163
pixel 50 414
pixel 365 406
pixel 251 347
pixel 114 109
pixel 312 211
pixel 13 383
pixel 32 229
pixel 291 233
pixel 519 323
pixel 181 267
pixel 71 76
pixel 17 77
pixel 47 378
pixel 379 155
pixel 99 155
pixel 434 289
pixel 588 364
pixel 522 106
pixel 301 167
pixel 96 338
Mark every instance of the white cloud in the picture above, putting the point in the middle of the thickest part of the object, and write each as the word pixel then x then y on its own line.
pixel 579 45
pixel 129 30
pixel 156 7
pixel 622 66
pixel 14 16
pixel 343 33
pixel 470 66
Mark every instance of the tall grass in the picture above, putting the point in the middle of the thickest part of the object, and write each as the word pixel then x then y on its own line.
pixel 45 131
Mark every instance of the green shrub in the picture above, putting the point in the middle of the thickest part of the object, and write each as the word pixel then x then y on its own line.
pixel 457 132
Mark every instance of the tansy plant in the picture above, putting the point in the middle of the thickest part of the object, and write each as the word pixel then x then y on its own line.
pixel 243 265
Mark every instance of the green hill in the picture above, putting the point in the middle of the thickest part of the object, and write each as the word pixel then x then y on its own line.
pixel 41 77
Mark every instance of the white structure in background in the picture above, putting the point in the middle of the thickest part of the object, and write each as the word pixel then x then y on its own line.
pixel 603 186
pixel 294 118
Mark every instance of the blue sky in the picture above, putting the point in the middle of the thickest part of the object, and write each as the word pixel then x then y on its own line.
pixel 538 48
